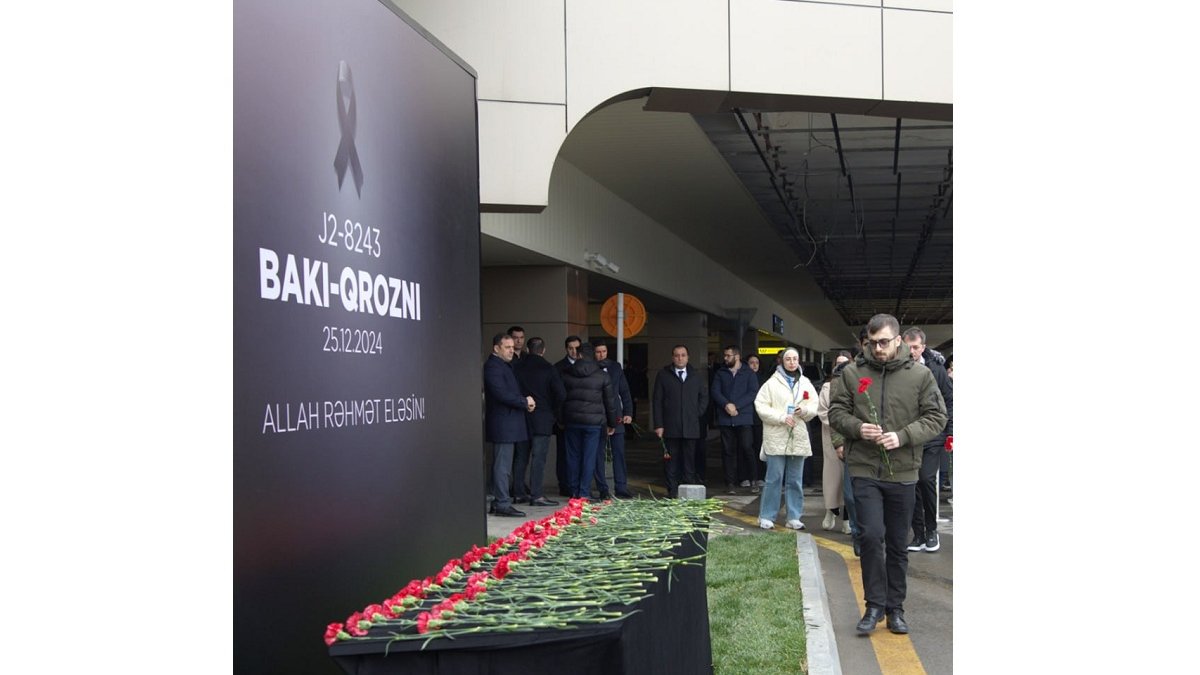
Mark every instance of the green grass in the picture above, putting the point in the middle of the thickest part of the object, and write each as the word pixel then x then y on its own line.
pixel 755 612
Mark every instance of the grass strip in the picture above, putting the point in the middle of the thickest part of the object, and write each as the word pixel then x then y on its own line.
pixel 755 609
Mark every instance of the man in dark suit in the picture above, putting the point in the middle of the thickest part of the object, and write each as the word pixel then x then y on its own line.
pixel 680 399
pixel 519 350
pixel 540 380
pixel 623 403
pixel 504 415
pixel 560 440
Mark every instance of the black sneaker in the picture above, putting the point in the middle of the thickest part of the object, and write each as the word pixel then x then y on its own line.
pixel 931 543
pixel 918 544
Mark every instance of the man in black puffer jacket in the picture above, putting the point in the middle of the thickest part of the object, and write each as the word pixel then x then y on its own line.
pixel 587 413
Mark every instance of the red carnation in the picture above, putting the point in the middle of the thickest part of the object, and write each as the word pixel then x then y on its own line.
pixel 864 384
pixel 352 624
pixel 423 622
pixel 949 444
pixel 805 395
pixel 501 569
pixel 332 633
pixel 371 610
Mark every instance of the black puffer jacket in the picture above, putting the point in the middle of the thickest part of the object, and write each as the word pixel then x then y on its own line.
pixel 589 396
pixel 936 363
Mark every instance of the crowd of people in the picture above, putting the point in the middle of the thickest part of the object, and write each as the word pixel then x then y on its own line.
pixel 583 400
pixel 885 419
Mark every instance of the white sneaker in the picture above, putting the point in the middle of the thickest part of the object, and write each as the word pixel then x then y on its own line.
pixel 845 526
pixel 760 483
pixel 830 520
pixel 744 483
pixel 766 524
pixel 795 524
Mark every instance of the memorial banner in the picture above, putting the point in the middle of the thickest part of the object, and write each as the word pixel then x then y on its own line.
pixel 356 318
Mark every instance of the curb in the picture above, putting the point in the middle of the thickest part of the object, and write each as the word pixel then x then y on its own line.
pixel 821 644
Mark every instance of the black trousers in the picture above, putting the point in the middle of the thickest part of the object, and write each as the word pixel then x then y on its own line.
pixel 735 454
pixel 681 468
pixel 924 519
pixel 884 513
pixel 560 462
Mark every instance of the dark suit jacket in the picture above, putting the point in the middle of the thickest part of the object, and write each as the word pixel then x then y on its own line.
pixel 539 379
pixel 622 399
pixel 740 390
pixel 504 404
pixel 678 406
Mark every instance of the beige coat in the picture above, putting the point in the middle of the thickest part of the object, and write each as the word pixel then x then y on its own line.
pixel 771 404
pixel 831 471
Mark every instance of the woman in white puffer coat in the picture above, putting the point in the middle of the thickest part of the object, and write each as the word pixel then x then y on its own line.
pixel 785 402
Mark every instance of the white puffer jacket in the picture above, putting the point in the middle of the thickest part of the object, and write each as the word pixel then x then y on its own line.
pixel 772 403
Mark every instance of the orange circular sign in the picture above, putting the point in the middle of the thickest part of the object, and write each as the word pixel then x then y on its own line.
pixel 635 316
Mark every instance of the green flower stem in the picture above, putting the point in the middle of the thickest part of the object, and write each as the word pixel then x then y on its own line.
pixel 580 574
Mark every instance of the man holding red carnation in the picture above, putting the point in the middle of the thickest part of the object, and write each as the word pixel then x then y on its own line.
pixel 887 407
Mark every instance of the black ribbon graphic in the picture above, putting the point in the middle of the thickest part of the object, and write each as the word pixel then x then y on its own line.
pixel 347 108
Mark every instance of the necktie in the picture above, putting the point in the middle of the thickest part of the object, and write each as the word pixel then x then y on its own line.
pixel 680 374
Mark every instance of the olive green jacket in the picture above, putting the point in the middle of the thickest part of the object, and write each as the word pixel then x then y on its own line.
pixel 908 402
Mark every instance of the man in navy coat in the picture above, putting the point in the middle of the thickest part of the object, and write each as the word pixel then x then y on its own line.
pixel 733 392
pixel 504 416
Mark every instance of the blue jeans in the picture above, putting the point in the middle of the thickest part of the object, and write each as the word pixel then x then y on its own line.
pixel 848 499
pixel 581 458
pixel 617 441
pixel 502 465
pixel 784 474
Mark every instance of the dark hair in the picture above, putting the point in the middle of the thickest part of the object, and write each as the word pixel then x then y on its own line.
pixel 837 370
pixel 536 345
pixel 570 339
pixel 683 347
pixel 513 328
pixel 846 354
pixel 735 349
pixel 599 342
pixel 881 321
pixel 587 351
pixel 754 355
pixel 915 332
pixel 500 337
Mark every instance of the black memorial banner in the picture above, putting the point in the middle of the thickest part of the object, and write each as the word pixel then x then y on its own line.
pixel 356 323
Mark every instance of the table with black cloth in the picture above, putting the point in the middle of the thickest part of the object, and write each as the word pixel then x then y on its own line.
pixel 667 634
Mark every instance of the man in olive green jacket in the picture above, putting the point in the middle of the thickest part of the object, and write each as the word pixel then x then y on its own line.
pixel 886 407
